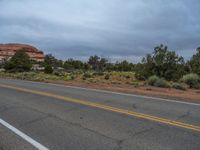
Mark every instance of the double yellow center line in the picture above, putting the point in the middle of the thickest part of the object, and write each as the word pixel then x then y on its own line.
pixel 108 108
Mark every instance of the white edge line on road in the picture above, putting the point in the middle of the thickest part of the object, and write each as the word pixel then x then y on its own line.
pixel 23 136
pixel 117 93
pixel 123 94
pixel 133 95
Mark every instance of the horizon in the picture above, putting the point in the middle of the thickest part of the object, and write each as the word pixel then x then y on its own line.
pixel 117 30
pixel 87 58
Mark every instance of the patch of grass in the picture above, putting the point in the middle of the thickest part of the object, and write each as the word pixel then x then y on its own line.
pixel 36 76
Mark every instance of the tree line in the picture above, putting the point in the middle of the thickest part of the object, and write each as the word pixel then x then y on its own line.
pixel 95 63
pixel 162 62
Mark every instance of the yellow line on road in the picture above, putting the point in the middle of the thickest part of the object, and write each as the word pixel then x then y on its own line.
pixel 108 108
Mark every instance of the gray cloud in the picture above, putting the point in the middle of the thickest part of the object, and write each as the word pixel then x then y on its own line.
pixel 117 29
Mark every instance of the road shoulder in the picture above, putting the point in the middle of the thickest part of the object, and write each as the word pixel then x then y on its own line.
pixel 167 93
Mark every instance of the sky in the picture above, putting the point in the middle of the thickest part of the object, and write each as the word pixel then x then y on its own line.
pixel 115 29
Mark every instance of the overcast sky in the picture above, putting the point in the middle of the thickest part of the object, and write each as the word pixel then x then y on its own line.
pixel 116 29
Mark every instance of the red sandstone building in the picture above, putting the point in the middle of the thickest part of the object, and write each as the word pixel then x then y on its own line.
pixel 8 50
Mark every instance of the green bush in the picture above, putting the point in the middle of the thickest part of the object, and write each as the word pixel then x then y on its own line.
pixel 162 62
pixel 127 77
pixel 158 82
pixel 20 62
pixel 162 83
pixel 48 69
pixel 193 80
pixel 152 80
pixel 86 75
pixel 179 86
pixel 98 73
pixel 136 84
pixel 72 77
pixel 195 62
pixel 67 78
pixel 107 76
pixel 58 73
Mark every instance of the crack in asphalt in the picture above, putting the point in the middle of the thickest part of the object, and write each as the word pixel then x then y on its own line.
pixel 1 148
pixel 119 144
pixel 141 132
pixel 134 106
pixel 4 109
pixel 80 126
pixel 50 115
pixel 186 114
pixel 33 121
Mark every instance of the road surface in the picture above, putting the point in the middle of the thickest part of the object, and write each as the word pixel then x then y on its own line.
pixel 47 116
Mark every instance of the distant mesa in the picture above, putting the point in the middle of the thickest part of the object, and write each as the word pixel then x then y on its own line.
pixel 8 50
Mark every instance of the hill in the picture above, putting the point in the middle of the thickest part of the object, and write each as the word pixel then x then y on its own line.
pixel 8 50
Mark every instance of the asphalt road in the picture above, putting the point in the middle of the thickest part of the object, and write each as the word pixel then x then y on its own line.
pixel 65 118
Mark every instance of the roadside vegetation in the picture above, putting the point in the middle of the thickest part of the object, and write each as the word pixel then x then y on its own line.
pixel 162 68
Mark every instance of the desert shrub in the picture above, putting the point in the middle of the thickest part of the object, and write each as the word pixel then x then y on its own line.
pixel 27 75
pixel 86 75
pixel 127 77
pixel 58 73
pixel 107 76
pixel 193 80
pixel 162 83
pixel 195 62
pixel 98 73
pixel 136 84
pixel 20 62
pixel 152 80
pixel 162 62
pixel 48 69
pixel 179 86
pixel 158 82
pixel 67 78
pixel 72 77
